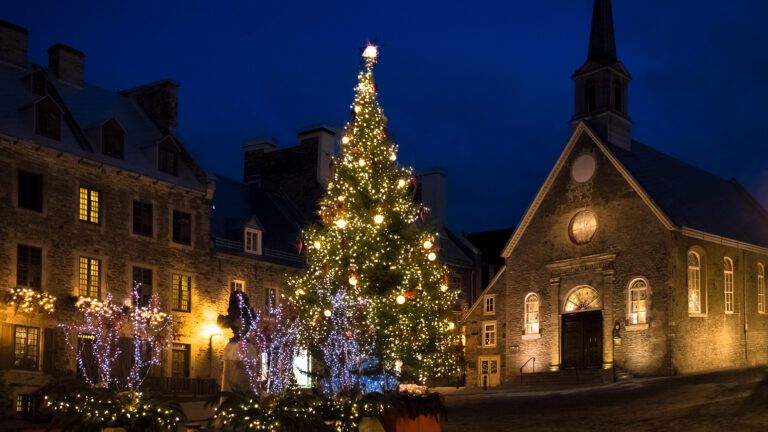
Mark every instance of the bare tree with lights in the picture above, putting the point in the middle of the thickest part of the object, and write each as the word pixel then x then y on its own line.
pixel 371 244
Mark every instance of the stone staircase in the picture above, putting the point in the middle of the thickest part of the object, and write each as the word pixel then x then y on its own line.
pixel 564 378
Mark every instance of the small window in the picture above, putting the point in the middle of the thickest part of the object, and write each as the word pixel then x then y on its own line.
pixel 590 95
pixel 29 267
pixel 89 205
pixel 90 277
pixel 728 284
pixel 48 119
pixel 88 365
pixel 694 283
pixel 532 314
pixel 489 305
pixel 237 285
pixel 112 139
pixel 638 302
pixel 618 96
pixel 760 288
pixel 143 221
pixel 182 227
pixel 26 351
pixel 30 191
pixel 489 334
pixel 180 360
pixel 270 301
pixel 142 278
pixel 25 404
pixel 182 293
pixel 167 158
pixel 252 241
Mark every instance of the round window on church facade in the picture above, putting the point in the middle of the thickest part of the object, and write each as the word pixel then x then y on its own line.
pixel 582 227
pixel 583 168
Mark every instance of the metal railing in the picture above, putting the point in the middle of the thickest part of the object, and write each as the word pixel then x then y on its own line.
pixel 531 360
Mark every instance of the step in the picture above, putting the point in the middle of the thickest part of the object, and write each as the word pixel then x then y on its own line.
pixel 563 378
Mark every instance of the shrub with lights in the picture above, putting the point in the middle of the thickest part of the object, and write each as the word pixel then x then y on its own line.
pixel 106 394
pixel 28 300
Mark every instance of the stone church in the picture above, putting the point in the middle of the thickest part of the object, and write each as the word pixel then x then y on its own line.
pixel 628 261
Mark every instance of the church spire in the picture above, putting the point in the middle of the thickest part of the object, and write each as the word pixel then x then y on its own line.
pixel 602 82
pixel 602 41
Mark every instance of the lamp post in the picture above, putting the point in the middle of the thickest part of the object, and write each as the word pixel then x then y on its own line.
pixel 212 330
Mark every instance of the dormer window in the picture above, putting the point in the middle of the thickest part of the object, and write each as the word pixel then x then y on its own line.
pixel 37 83
pixel 48 119
pixel 168 157
pixel 252 241
pixel 112 139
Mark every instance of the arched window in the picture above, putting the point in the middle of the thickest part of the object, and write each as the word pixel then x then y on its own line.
pixel 728 284
pixel 638 302
pixel 590 95
pixel 532 314
pixel 694 282
pixel 583 298
pixel 760 288
pixel 618 96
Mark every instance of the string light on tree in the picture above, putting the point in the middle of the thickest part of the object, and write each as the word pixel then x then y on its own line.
pixel 376 248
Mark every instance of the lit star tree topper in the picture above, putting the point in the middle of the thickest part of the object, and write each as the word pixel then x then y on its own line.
pixel 371 245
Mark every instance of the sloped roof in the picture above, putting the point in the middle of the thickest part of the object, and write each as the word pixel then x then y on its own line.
pixel 236 204
pixel 694 198
pixel 491 243
pixel 84 107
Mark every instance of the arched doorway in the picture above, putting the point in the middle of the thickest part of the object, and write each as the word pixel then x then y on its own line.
pixel 582 329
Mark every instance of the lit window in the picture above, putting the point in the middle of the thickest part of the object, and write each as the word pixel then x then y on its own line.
pixel 90 277
pixel 252 241
pixel 532 314
pixel 237 285
pixel 582 227
pixel 180 360
pixel 182 291
pixel 583 298
pixel 760 288
pixel 489 334
pixel 302 368
pixel 143 278
pixel 728 284
pixel 694 283
pixel 24 404
pixel 490 305
pixel 638 302
pixel 26 347
pixel 182 227
pixel 89 205
pixel 29 266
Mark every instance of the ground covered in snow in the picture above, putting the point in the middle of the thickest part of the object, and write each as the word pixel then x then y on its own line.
pixel 725 401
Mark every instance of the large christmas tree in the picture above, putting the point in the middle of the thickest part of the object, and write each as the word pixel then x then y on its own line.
pixel 372 262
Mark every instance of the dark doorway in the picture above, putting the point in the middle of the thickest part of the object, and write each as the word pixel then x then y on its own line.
pixel 583 340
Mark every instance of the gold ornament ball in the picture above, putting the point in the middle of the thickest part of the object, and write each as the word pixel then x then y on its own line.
pixel 352 280
pixel 316 244
pixel 341 223
pixel 443 287
pixel 393 157
pixel 432 256
pixel 345 140
pixel 428 244
pixel 361 162
pixel 378 219
pixel 401 183
pixel 327 313
pixel 400 299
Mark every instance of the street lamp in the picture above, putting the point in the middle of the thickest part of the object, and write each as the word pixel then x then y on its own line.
pixel 211 330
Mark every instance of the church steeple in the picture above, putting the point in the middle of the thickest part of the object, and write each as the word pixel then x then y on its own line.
pixel 602 82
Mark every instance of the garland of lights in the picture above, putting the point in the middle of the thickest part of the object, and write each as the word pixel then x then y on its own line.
pixel 28 300
pixel 372 245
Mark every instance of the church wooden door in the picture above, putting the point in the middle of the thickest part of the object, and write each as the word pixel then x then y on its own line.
pixel 583 340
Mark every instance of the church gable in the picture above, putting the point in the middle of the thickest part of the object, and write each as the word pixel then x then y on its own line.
pixel 578 181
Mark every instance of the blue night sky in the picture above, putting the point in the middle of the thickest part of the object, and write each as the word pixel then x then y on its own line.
pixel 483 91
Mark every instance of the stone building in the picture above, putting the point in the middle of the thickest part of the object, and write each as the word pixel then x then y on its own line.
pixel 98 193
pixel 627 260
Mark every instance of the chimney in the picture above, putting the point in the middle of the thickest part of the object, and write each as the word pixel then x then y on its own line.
pixel 323 138
pixel 13 43
pixel 253 151
pixel 159 101
pixel 67 63
pixel 432 184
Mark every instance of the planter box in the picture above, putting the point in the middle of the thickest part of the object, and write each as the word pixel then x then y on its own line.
pixel 418 424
